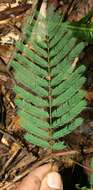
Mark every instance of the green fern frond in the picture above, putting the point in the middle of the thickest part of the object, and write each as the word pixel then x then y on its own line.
pixel 82 31
pixel 48 85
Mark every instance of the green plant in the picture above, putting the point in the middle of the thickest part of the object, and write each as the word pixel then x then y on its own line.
pixel 83 29
pixel 48 85
pixel 91 174
pixel 82 188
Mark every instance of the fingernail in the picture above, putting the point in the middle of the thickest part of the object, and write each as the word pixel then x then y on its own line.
pixel 54 181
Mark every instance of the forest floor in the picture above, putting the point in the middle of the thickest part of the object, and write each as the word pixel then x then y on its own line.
pixel 17 157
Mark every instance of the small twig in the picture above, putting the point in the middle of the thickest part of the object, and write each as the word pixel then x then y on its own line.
pixel 70 8
pixel 13 12
pixel 85 167
pixel 10 136
pixel 9 161
pixel 67 153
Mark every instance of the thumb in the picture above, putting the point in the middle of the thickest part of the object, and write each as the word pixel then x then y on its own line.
pixel 52 182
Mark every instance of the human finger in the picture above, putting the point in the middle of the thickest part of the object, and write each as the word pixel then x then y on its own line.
pixel 33 180
pixel 52 181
